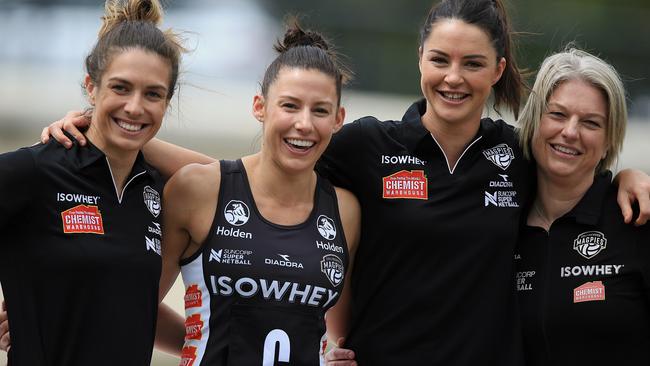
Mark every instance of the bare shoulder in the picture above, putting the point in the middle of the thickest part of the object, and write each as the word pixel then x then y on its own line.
pixel 193 182
pixel 350 212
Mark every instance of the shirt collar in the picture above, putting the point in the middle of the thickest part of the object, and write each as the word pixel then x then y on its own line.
pixel 85 156
pixel 588 210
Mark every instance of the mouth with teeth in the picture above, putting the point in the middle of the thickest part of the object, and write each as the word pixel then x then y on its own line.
pixel 298 144
pixel 565 150
pixel 453 96
pixel 130 127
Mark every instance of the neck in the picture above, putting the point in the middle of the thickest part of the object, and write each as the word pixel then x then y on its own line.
pixel 120 161
pixel 453 137
pixel 556 197
pixel 281 197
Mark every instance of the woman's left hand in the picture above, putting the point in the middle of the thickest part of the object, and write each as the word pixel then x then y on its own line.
pixel 634 185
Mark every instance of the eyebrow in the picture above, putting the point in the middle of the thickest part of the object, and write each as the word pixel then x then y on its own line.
pixel 154 86
pixel 465 57
pixel 294 99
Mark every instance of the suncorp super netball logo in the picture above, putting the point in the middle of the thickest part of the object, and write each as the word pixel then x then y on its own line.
pixel 590 243
pixel 500 155
pixel 236 213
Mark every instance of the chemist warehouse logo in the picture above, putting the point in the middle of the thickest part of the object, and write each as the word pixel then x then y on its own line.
pixel 82 219
pixel 590 243
pixel 500 155
pixel 406 184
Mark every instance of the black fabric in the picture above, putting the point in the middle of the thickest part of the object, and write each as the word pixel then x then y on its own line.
pixel 78 268
pixel 432 280
pixel 586 305
pixel 261 283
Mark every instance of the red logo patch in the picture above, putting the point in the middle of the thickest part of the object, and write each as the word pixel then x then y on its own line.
pixel 188 356
pixel 82 219
pixel 405 184
pixel 193 297
pixel 590 291
pixel 193 326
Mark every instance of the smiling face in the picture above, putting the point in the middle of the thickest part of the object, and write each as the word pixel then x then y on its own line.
pixel 300 113
pixel 571 138
pixel 458 66
pixel 130 101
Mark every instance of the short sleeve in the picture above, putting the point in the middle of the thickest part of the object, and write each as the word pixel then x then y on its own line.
pixel 17 174
pixel 339 162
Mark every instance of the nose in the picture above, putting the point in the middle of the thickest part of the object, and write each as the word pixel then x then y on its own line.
pixel 134 105
pixel 454 76
pixel 570 129
pixel 304 123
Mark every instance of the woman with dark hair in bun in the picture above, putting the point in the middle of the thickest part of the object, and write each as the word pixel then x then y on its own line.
pixel 80 250
pixel 264 243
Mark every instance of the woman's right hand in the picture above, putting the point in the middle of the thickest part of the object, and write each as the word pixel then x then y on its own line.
pixel 71 123
pixel 338 356
pixel 5 341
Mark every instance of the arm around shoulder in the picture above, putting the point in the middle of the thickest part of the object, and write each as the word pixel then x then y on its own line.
pixel 169 158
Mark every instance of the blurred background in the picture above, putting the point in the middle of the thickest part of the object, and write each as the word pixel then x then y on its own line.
pixel 44 43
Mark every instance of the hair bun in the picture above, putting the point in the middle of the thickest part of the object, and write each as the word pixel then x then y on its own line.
pixel 118 11
pixel 295 36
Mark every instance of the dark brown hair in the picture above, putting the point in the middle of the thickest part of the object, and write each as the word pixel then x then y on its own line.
pixel 491 17
pixel 133 24
pixel 306 49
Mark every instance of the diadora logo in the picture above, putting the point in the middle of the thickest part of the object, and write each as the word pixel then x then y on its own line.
pixel 155 229
pixel 152 200
pixel 501 155
pixel 501 183
pixel 193 327
pixel 193 297
pixel 188 356
pixel 326 227
pixel 82 219
pixel 405 184
pixel 236 213
pixel 501 199
pixel 239 257
pixel 590 243
pixel 401 159
pixel 332 267
pixel 284 262
pixel 152 244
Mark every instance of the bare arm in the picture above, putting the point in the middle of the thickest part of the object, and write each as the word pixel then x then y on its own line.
pixel 170 330
pixel 169 158
pixel 634 185
pixel 337 316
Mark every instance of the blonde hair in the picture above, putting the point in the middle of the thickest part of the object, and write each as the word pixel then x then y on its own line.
pixel 575 64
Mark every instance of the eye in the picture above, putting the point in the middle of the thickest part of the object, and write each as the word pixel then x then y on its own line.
pixel 119 88
pixel 155 95
pixel 556 114
pixel 438 60
pixel 322 111
pixel 474 64
pixel 593 125
pixel 289 106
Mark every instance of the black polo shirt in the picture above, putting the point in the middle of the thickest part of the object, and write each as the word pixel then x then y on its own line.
pixel 432 278
pixel 584 286
pixel 79 261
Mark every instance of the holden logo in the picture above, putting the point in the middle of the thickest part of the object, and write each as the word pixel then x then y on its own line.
pixel 326 227
pixel 236 213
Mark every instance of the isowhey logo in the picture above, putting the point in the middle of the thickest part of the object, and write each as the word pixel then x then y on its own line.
pixel 590 291
pixel 77 198
pixel 284 262
pixel 152 244
pixel 401 159
pixel 193 297
pixel 332 267
pixel 193 326
pixel 82 219
pixel 500 155
pixel 501 199
pixel 326 227
pixel 236 213
pixel 405 184
pixel 595 270
pixel 239 257
pixel 152 200
pixel 590 243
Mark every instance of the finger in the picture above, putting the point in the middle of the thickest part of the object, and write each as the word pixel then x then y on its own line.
pixel 58 135
pixel 4 327
pixel 624 202
pixel 340 354
pixel 342 363
pixel 72 127
pixel 4 306
pixel 45 135
pixel 340 342
pixel 5 342
pixel 644 210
